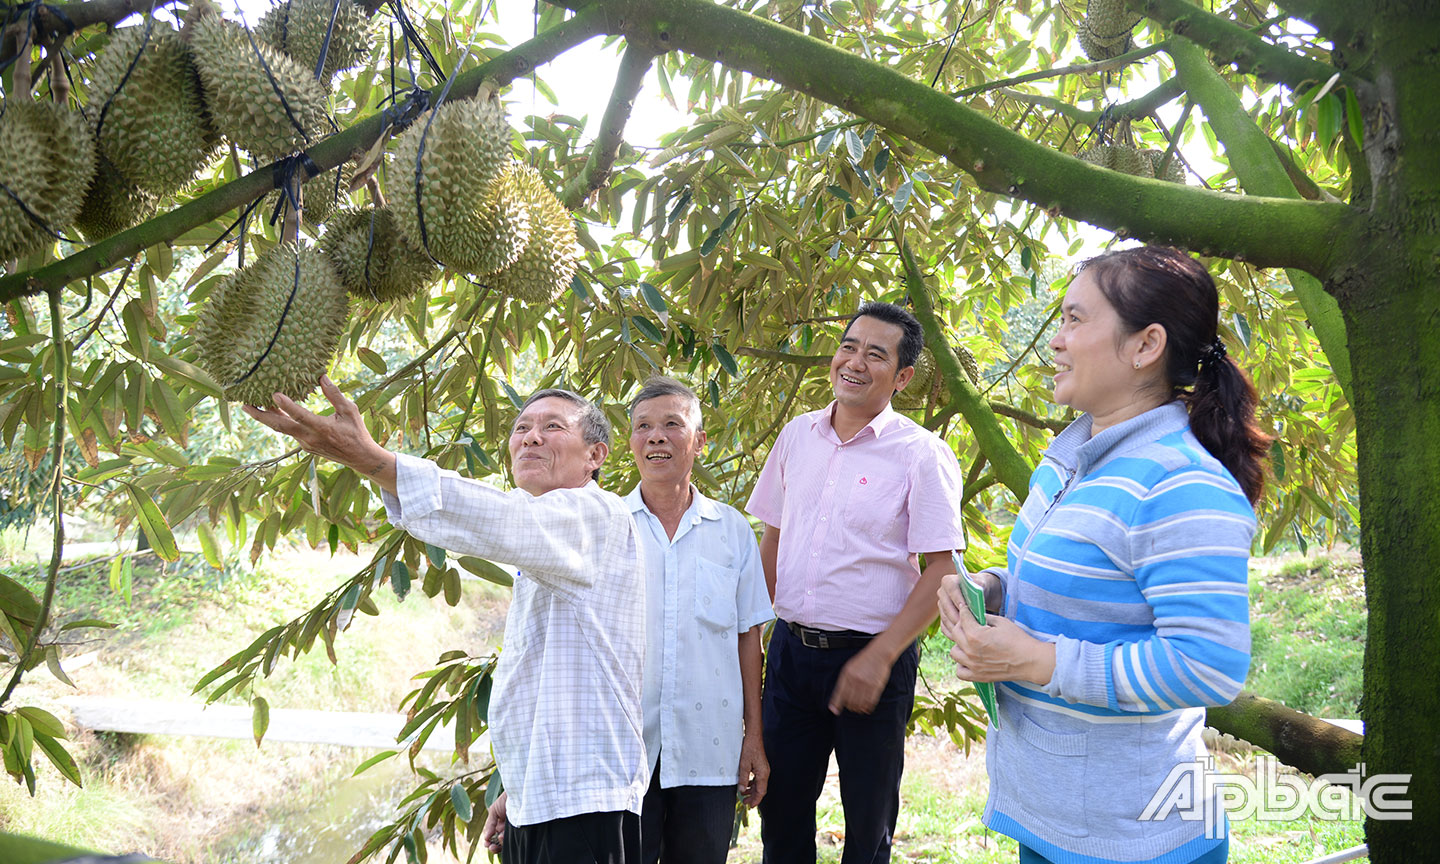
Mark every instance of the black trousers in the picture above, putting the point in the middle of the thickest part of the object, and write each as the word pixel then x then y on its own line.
pixel 590 838
pixel 800 733
pixel 686 824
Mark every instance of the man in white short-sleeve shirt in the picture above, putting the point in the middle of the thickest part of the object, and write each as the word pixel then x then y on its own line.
pixel 565 717
pixel 705 603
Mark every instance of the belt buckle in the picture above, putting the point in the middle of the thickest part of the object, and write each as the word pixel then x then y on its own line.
pixel 814 638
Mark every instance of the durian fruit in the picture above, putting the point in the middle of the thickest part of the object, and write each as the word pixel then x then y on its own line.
pixel 297 28
pixel 1118 157
pixel 373 260
pixel 1105 30
pixel 928 384
pixel 548 263
pixel 113 204
pixel 465 150
pixel 244 316
pixel 243 102
pixel 502 223
pixel 152 125
pixel 47 157
pixel 1173 173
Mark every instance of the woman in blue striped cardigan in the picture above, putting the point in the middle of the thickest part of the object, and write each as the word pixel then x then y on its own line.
pixel 1124 605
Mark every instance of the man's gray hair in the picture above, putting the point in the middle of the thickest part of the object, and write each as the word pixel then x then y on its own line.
pixel 594 425
pixel 657 386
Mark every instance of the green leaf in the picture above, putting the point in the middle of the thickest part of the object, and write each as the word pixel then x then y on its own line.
pixel 882 161
pixel 854 145
pixel 43 721
pixel 729 220
pixel 153 523
pixel 87 622
pixel 373 761
pixel 52 662
pixel 486 570
pixel 482 696
pixel 259 718
pixel 493 788
pixel 1353 120
pixel 727 360
pixel 647 327
pixel 711 241
pixel 400 580
pixel 826 141
pixel 653 298
pixel 189 373
pixel 902 195
pixel 464 810
pixel 839 192
pixel 435 554
pixel 834 252
pixel 210 545
pixel 511 394
pixel 59 757
pixel 17 601
pixel 373 361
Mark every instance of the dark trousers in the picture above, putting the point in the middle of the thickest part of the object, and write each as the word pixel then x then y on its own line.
pixel 590 838
pixel 686 824
pixel 800 733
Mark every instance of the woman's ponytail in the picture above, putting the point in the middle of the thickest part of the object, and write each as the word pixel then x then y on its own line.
pixel 1222 416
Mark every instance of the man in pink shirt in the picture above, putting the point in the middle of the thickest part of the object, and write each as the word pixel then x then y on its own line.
pixel 849 495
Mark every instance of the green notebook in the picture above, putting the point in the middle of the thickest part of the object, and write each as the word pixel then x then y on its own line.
pixel 975 599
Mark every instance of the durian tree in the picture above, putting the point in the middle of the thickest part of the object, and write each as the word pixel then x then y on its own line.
pixel 943 155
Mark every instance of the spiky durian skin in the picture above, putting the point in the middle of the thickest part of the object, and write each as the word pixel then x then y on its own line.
pixel 548 263
pixel 297 28
pixel 1110 22
pixel 1118 157
pixel 1174 171
pixel 917 393
pixel 465 150
pixel 113 204
pixel 1098 48
pixel 47 157
pixel 243 104
pixel 152 125
pixel 245 313
pixel 373 260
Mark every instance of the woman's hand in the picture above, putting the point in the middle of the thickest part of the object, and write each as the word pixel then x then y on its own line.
pixel 997 651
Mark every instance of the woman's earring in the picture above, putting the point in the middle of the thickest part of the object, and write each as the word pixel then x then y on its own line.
pixel 1137 364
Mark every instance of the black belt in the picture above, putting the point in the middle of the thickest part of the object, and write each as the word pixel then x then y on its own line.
pixel 812 638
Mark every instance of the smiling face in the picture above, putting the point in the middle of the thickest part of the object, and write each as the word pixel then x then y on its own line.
pixel 548 449
pixel 665 438
pixel 865 373
pixel 1095 361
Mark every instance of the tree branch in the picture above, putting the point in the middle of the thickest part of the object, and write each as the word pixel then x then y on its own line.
pixel 782 357
pixel 56 494
pixel 628 81
pixel 1265 232
pixel 1303 742
pixel 1053 424
pixel 326 154
pixel 1134 109
pixel 1231 43
pixel 1077 69
pixel 59 20
pixel 1007 463
pixel 1252 155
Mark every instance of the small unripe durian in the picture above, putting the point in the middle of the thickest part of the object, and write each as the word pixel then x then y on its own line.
pixel 297 28
pixel 372 259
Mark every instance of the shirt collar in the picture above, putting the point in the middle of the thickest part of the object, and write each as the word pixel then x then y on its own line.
pixel 1076 449
pixel 878 425
pixel 700 506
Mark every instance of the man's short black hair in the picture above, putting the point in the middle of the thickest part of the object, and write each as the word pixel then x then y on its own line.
pixel 912 338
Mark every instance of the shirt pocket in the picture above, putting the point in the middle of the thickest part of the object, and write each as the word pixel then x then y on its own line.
pixel 715 594
pixel 874 504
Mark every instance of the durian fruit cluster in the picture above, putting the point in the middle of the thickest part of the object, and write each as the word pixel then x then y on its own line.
pixel 457 195
pixel 1105 30
pixel 927 386
pixel 274 325
pixel 47 156
pixel 1138 163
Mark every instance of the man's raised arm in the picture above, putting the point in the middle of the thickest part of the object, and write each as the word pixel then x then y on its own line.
pixel 340 437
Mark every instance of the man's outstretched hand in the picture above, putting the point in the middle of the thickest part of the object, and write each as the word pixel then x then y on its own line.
pixel 340 437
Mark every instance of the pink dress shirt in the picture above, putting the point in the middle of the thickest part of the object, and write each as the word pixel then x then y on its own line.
pixel 852 516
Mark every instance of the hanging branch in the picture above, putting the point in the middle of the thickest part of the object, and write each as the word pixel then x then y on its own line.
pixel 628 81
pixel 1009 466
pixel 1231 43
pixel 55 493
pixel 326 154
pixel 1077 69
pixel 1265 232
pixel 1167 92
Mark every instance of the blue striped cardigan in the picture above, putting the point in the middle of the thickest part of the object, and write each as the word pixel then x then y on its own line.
pixel 1131 554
